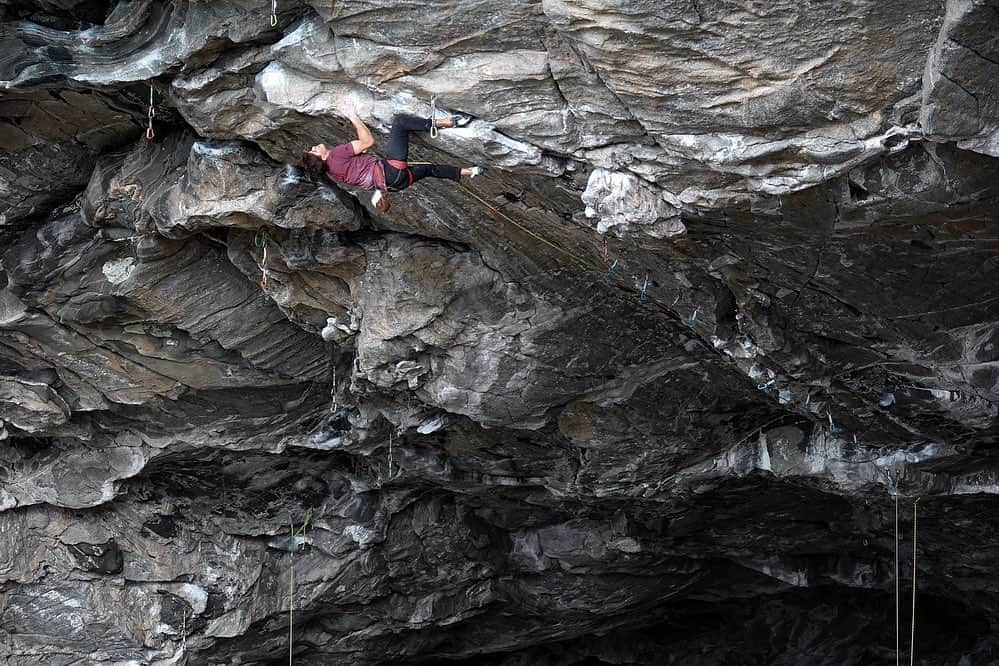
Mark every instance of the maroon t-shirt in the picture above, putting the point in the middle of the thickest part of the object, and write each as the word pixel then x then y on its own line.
pixel 356 170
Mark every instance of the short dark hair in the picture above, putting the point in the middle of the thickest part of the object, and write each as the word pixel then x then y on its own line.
pixel 314 166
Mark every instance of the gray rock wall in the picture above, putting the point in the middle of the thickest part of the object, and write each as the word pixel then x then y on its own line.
pixel 647 392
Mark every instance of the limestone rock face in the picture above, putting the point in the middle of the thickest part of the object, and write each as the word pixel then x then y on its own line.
pixel 648 391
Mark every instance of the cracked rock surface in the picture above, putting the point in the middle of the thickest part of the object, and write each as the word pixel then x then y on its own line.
pixel 648 392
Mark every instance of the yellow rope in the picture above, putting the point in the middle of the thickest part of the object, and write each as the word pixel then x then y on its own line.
pixel 595 267
pixel 912 636
pixel 558 248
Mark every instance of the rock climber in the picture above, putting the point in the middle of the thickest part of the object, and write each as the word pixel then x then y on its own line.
pixel 350 164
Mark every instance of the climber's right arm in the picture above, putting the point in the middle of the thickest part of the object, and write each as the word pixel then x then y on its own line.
pixel 364 139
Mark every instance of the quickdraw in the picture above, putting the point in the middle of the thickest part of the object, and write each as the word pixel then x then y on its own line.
pixel 274 18
pixel 433 117
pixel 150 114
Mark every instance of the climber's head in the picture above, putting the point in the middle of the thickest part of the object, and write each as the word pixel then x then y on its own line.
pixel 380 201
pixel 314 161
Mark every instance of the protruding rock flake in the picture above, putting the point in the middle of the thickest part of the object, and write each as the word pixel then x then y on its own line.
pixel 650 388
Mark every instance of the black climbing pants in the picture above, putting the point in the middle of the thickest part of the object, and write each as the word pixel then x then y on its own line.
pixel 398 151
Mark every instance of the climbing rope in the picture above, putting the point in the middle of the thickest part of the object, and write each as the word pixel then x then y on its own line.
pixel 260 240
pixel 893 489
pixel 433 117
pixel 390 455
pixel 617 279
pixel 912 635
pixel 150 114
pixel 291 598
pixel 274 18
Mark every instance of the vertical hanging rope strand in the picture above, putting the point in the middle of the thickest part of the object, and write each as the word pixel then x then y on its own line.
pixel 390 455
pixel 912 634
pixel 898 630
pixel 291 598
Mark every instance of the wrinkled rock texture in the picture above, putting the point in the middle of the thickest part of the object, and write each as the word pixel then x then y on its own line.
pixel 646 393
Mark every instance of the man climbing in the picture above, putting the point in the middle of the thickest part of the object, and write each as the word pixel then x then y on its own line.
pixel 348 163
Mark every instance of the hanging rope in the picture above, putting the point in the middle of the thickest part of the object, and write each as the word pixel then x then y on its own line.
pixel 433 117
pixel 893 489
pixel 390 455
pixel 291 598
pixel 260 240
pixel 150 114
pixel 912 635
pixel 274 18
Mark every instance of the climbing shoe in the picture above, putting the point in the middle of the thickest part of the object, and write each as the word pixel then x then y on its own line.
pixel 477 171
pixel 460 119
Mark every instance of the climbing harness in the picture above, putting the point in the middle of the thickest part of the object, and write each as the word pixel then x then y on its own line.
pixel 150 114
pixel 274 18
pixel 433 117
pixel 912 635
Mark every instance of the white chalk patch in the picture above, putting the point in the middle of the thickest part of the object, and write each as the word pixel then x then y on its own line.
pixel 118 270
